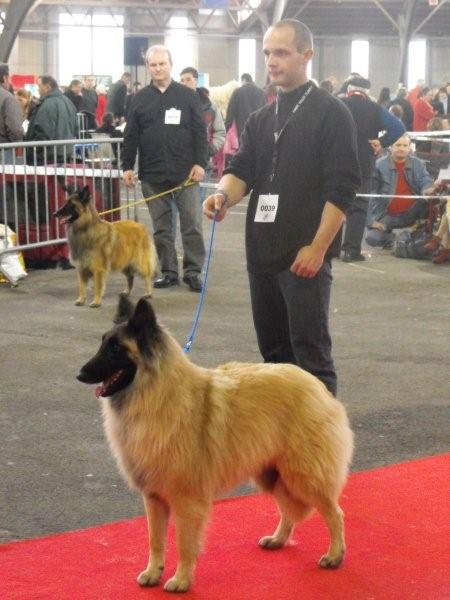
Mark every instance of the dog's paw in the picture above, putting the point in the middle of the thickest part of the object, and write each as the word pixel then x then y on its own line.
pixel 79 302
pixel 149 577
pixel 328 562
pixel 147 296
pixel 270 542
pixel 174 584
pixel 95 304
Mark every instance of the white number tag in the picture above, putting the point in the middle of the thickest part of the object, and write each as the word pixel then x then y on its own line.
pixel 266 211
pixel 172 117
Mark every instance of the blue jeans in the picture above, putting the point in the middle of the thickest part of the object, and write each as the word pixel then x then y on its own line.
pixel 375 237
pixel 290 315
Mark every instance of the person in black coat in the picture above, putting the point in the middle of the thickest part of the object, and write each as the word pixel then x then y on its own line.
pixel 117 97
pixel 73 92
pixel 244 100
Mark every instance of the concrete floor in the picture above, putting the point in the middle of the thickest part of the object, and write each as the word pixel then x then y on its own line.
pixel 391 336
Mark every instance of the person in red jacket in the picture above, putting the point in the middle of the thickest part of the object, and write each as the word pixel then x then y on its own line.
pixel 423 111
pixel 101 104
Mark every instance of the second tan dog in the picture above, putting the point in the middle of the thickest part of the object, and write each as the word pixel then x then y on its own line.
pixel 182 433
pixel 98 247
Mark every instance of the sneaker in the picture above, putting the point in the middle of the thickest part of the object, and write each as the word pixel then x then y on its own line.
pixel 193 281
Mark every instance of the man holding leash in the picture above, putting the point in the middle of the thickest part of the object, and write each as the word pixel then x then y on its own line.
pixel 165 122
pixel 299 158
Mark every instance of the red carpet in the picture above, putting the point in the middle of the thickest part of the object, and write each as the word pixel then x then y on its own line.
pixel 398 539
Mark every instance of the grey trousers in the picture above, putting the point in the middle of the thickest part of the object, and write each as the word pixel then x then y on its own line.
pixel 189 210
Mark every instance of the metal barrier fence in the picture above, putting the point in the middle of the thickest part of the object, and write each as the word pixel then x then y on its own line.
pixel 33 176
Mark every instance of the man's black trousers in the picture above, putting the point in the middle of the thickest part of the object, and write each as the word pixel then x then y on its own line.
pixel 290 315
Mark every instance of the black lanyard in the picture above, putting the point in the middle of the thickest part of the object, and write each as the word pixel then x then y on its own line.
pixel 277 134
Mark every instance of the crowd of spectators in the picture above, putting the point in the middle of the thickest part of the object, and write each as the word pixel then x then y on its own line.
pixel 53 115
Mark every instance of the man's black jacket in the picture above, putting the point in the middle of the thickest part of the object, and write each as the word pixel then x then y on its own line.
pixel 167 152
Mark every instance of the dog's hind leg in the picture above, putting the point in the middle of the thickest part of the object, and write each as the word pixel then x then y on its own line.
pixel 99 288
pixel 190 520
pixel 129 274
pixel 83 278
pixel 157 520
pixel 291 510
pixel 334 517
pixel 148 286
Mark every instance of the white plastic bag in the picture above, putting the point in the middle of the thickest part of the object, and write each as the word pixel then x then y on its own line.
pixel 11 264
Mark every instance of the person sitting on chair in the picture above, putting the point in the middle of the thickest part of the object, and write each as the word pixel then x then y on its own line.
pixel 397 176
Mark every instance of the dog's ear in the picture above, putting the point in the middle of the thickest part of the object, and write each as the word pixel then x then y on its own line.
pixel 125 309
pixel 85 195
pixel 143 326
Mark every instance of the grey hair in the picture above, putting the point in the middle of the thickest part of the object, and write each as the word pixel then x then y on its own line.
pixel 158 48
pixel 303 35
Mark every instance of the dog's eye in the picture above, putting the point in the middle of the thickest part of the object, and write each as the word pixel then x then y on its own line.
pixel 115 348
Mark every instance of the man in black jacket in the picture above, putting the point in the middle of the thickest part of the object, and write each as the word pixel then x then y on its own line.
pixel 244 100
pixel 117 96
pixel 371 119
pixel 165 123
pixel 299 158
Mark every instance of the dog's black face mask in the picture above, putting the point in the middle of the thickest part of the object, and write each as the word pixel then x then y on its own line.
pixel 111 366
pixel 73 208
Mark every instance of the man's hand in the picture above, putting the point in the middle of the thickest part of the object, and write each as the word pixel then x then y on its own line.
pixel 308 261
pixel 215 202
pixel 197 173
pixel 129 178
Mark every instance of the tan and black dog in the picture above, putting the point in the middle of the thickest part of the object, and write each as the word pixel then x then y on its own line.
pixel 181 434
pixel 98 247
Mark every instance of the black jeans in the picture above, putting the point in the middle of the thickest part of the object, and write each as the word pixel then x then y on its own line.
pixel 356 221
pixel 290 315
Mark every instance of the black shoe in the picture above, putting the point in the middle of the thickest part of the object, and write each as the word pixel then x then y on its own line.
pixel 350 256
pixel 65 264
pixel 165 281
pixel 194 282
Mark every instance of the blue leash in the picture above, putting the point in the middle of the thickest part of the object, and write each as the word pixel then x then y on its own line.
pixel 187 346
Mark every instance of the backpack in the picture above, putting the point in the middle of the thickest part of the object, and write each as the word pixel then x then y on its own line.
pixel 410 244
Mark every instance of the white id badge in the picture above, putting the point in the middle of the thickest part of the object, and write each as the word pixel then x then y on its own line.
pixel 172 116
pixel 266 211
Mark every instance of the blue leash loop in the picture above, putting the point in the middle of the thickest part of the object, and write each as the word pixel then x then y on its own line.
pixel 187 346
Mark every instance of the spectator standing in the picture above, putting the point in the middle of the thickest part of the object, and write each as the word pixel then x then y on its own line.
pixel 371 119
pixel 117 97
pixel 10 131
pixel 101 103
pixel 384 99
pixel 244 100
pixel 165 122
pixel 25 99
pixel 397 176
pixel 300 193
pixel 89 101
pixel 440 102
pixel 401 100
pixel 423 111
pixel 413 94
pixel 53 118
pixel 73 92
pixel 215 127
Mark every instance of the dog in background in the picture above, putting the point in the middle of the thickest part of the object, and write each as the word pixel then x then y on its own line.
pixel 182 433
pixel 98 247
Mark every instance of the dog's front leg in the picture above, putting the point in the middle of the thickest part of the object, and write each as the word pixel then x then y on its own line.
pixel 83 278
pixel 190 520
pixel 99 288
pixel 157 520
